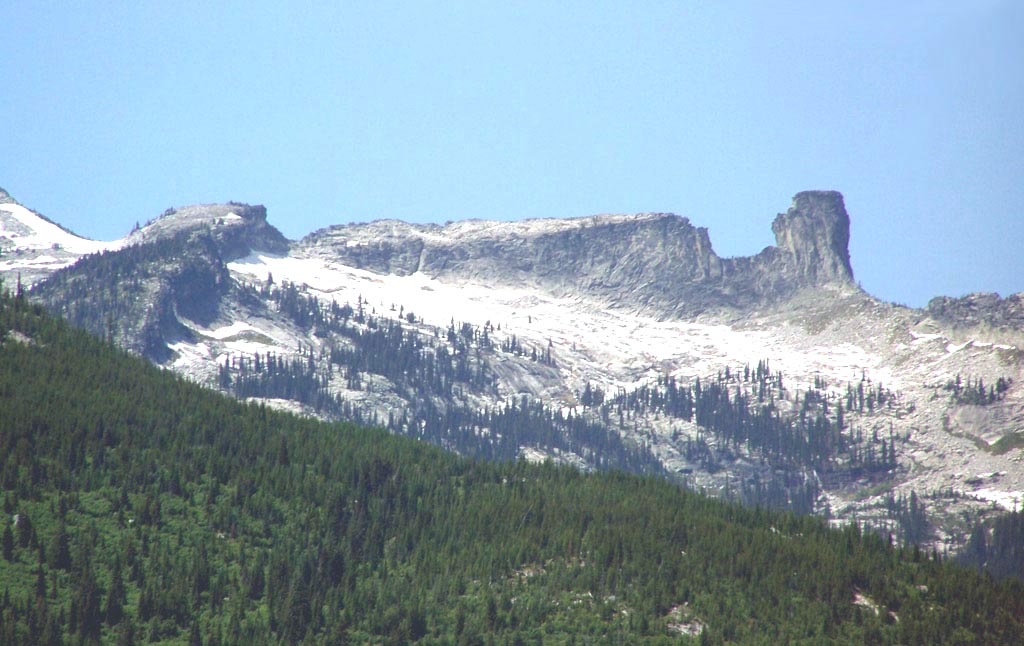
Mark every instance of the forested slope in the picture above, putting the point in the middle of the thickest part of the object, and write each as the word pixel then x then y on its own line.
pixel 144 509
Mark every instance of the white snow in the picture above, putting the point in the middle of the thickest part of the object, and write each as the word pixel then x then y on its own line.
pixel 39 262
pixel 46 235
pixel 614 348
pixel 1008 500
pixel 227 331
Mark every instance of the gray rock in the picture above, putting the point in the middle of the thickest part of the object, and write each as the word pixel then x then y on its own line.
pixel 238 228
pixel 979 309
pixel 655 262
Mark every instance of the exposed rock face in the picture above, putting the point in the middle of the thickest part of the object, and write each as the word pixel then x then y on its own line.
pixel 238 228
pixel 171 269
pixel 980 309
pixel 655 262
pixel 135 296
pixel 815 233
pixel 629 291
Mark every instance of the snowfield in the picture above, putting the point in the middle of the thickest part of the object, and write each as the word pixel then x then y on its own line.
pixel 33 247
pixel 38 233
pixel 611 348
pixel 833 339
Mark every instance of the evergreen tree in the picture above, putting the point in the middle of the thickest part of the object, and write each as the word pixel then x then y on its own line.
pixel 8 543
pixel 60 550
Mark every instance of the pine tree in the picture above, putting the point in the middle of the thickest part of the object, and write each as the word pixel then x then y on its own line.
pixel 116 597
pixel 8 543
pixel 87 604
pixel 60 549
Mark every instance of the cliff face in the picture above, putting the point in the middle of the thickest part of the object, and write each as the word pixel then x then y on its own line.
pixel 237 228
pixel 979 309
pixel 655 262
pixel 173 267
pixel 814 236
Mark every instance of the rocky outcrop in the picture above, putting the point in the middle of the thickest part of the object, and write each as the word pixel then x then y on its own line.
pixel 137 296
pixel 979 309
pixel 814 234
pixel 174 267
pixel 238 228
pixel 655 262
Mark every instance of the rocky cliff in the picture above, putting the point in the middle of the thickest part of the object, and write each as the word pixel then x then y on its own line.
pixel 985 309
pixel 480 336
pixel 813 237
pixel 659 263
pixel 172 268
pixel 237 228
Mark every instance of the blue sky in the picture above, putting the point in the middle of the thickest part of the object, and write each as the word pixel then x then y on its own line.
pixel 720 111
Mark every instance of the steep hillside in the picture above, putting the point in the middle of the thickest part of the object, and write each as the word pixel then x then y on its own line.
pixel 142 507
pixel 32 247
pixel 609 341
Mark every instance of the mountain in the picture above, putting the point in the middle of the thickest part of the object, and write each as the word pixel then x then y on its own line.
pixel 142 507
pixel 607 341
pixel 659 264
pixel 34 247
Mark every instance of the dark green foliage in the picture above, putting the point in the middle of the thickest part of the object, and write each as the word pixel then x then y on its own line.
pixel 974 391
pixel 8 543
pixel 999 547
pixel 740 410
pixel 911 520
pixel 60 549
pixel 426 370
pixel 192 518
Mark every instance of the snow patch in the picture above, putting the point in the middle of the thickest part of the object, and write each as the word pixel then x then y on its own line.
pixel 612 348
pixel 43 234
pixel 1008 500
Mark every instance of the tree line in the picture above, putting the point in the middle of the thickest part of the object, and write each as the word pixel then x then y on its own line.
pixel 143 508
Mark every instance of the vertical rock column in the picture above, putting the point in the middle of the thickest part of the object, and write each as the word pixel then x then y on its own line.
pixel 815 234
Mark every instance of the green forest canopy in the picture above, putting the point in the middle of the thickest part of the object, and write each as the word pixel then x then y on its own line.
pixel 142 508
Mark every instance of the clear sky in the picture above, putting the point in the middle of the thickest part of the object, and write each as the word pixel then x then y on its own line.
pixel 333 112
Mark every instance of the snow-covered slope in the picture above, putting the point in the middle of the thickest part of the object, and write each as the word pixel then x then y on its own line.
pixel 553 311
pixel 35 247
pixel 836 335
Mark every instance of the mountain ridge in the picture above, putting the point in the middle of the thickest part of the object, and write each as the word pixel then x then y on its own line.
pixel 664 263
pixel 558 338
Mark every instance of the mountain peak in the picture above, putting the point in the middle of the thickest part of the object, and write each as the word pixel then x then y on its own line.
pixel 175 220
pixel 240 228
pixel 815 233
pixel 5 197
pixel 649 261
